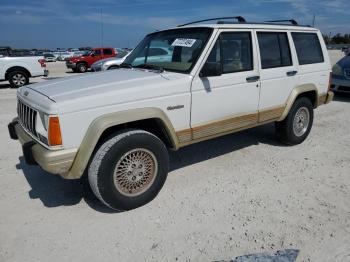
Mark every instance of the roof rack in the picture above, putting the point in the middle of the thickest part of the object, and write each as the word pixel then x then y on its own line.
pixel 292 21
pixel 240 19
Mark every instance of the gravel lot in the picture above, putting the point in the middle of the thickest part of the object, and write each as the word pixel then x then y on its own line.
pixel 236 195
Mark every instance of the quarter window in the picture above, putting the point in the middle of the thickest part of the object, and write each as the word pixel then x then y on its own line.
pixel 274 50
pixel 308 48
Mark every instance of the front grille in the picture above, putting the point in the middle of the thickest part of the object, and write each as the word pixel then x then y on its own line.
pixel 27 117
pixel 344 88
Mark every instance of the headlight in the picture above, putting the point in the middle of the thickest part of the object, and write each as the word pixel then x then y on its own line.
pixel 45 120
pixel 337 70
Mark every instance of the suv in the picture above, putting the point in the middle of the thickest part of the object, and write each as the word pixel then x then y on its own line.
pixel 82 63
pixel 117 126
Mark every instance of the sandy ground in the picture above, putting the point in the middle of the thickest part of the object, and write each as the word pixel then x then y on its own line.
pixel 237 195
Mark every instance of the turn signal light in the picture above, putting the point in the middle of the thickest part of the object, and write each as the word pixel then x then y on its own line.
pixel 55 138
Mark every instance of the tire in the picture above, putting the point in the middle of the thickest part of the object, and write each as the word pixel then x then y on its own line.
pixel 140 159
pixel 18 78
pixel 296 127
pixel 113 67
pixel 81 68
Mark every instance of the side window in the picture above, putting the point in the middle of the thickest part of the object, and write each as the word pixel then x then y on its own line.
pixel 236 49
pixel 274 50
pixel 107 51
pixel 308 48
pixel 97 52
pixel 233 51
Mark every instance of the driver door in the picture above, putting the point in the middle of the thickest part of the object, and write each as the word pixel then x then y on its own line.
pixel 229 100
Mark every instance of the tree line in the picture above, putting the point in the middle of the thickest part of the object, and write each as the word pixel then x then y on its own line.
pixel 337 39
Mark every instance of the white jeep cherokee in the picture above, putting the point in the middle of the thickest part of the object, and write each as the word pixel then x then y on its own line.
pixel 117 126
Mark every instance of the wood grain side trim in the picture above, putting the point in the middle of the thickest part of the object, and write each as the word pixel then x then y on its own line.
pixel 233 124
pixel 271 113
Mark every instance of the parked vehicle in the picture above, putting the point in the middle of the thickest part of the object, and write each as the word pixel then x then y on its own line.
pixel 341 75
pixel 82 63
pixel 18 70
pixel 50 58
pixel 110 63
pixel 117 126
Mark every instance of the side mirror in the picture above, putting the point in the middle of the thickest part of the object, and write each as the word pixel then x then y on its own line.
pixel 211 69
pixel 92 55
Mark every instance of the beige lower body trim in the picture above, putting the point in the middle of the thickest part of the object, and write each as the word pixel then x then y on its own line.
pixel 228 125
pixel 52 161
pixel 325 98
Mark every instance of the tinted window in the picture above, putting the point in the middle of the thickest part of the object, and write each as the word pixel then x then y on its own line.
pixel 308 48
pixel 107 51
pixel 97 52
pixel 233 51
pixel 274 50
pixel 236 49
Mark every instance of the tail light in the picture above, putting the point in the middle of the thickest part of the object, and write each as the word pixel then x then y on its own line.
pixel 330 81
pixel 54 134
pixel 42 62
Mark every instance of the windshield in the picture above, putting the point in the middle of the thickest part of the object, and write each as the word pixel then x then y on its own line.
pixel 86 53
pixel 173 50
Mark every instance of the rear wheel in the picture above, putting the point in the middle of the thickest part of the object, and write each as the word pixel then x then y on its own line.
pixel 81 67
pixel 129 169
pixel 295 128
pixel 18 78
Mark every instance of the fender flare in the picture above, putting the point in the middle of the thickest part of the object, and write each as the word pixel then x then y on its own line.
pixel 102 123
pixel 293 96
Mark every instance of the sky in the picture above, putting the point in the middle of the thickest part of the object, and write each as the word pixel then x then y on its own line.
pixel 76 23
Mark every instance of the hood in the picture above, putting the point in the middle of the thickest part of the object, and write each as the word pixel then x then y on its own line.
pixel 109 87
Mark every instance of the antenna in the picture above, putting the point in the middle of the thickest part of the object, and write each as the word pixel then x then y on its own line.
pixel 101 28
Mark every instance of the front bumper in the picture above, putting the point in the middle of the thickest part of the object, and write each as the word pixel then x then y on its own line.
pixel 52 161
pixel 71 65
pixel 341 85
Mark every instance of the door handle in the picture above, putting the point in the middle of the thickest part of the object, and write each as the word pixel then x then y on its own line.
pixel 292 73
pixel 253 78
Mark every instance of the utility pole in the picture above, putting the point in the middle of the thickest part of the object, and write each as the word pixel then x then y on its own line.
pixel 101 28
pixel 313 21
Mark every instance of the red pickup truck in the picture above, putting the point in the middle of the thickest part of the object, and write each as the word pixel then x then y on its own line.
pixel 82 63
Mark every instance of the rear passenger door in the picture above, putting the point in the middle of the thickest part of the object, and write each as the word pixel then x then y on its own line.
pixel 278 72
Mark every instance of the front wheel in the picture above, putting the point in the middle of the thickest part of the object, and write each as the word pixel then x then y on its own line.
pixel 81 68
pixel 295 128
pixel 129 169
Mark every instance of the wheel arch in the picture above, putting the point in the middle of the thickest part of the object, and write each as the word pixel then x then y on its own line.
pixel 152 120
pixel 15 68
pixel 308 90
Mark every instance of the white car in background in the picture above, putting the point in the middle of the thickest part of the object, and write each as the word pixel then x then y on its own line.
pixel 18 70
pixel 110 63
pixel 50 58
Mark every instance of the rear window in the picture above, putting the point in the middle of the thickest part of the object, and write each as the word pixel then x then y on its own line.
pixel 308 48
pixel 274 50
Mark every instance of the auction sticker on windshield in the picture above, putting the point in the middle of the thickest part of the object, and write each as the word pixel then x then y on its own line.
pixel 183 42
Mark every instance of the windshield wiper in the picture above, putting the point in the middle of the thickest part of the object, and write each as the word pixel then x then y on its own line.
pixel 125 65
pixel 150 66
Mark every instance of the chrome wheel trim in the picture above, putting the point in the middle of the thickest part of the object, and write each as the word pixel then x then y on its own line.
pixel 19 79
pixel 135 172
pixel 301 121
